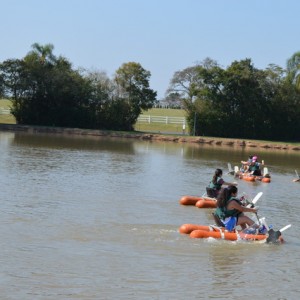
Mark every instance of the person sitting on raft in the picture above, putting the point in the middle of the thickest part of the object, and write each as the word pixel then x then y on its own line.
pixel 216 183
pixel 255 167
pixel 245 164
pixel 231 211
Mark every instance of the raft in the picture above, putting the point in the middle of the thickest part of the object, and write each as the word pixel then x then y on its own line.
pixel 229 236
pixel 203 231
pixel 247 177
pixel 200 202
pixel 263 179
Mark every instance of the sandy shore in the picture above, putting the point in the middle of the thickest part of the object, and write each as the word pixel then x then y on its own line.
pixel 151 137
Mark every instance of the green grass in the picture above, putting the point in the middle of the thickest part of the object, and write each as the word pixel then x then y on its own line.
pixel 6 119
pixel 165 112
pixel 160 127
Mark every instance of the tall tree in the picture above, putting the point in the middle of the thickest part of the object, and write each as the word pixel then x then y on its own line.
pixel 133 87
pixel 44 53
pixel 293 69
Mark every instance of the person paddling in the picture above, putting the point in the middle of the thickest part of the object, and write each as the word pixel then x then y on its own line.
pixel 231 211
pixel 255 167
pixel 216 183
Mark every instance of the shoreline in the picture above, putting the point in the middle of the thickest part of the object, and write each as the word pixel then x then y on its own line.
pixel 228 142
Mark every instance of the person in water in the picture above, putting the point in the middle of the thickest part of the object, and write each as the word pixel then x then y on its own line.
pixel 255 166
pixel 245 164
pixel 231 211
pixel 216 183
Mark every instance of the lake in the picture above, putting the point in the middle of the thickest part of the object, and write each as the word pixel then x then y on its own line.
pixel 98 218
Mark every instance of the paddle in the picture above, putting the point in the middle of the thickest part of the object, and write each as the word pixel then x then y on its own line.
pixel 285 228
pixel 274 235
pixel 252 204
pixel 266 171
pixel 255 199
pixel 236 170
pixel 230 171
pixel 297 174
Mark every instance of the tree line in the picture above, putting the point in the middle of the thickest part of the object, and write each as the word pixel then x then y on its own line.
pixel 239 101
pixel 46 90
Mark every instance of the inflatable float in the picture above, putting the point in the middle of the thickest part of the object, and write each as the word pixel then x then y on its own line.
pixel 200 202
pixel 253 178
pixel 212 231
pixel 263 179
pixel 248 177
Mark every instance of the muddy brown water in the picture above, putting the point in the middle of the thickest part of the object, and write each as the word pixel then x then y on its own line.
pixel 98 218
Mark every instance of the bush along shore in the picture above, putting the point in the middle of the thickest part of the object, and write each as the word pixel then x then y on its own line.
pixel 152 137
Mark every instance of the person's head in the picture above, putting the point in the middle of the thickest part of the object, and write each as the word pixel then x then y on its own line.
pixel 254 158
pixel 232 191
pixel 225 194
pixel 218 173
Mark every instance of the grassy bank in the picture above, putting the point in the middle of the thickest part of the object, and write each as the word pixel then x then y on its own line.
pixel 161 127
pixel 174 129
pixel 153 127
pixel 6 119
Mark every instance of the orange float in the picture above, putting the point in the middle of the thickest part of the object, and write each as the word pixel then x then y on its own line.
pixel 188 228
pixel 200 202
pixel 206 203
pixel 266 179
pixel 230 236
pixel 189 200
pixel 263 179
pixel 203 231
pixel 247 177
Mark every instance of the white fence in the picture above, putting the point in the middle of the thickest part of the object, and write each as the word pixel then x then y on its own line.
pixel 4 111
pixel 161 119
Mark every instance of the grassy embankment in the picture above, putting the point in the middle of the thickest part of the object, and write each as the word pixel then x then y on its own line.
pixel 154 127
pixel 6 119
pixel 160 127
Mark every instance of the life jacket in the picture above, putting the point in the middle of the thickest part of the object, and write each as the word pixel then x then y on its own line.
pixel 223 212
pixel 217 185
pixel 254 167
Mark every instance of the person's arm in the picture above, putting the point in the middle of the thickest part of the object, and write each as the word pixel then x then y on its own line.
pixel 241 208
pixel 230 183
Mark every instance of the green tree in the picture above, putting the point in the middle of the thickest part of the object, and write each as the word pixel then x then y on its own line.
pixel 293 69
pixel 45 89
pixel 43 53
pixel 229 102
pixel 132 82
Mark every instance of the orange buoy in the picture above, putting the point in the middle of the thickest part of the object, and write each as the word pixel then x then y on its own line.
pixel 248 177
pixel 189 200
pixel 206 203
pixel 230 236
pixel 188 228
pixel 266 179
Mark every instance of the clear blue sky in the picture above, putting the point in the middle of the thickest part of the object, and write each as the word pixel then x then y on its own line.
pixel 164 36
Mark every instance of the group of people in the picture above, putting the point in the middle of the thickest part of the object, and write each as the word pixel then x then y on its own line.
pixel 230 209
pixel 252 166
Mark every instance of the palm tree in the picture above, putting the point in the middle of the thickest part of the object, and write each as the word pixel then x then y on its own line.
pixel 293 69
pixel 44 53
